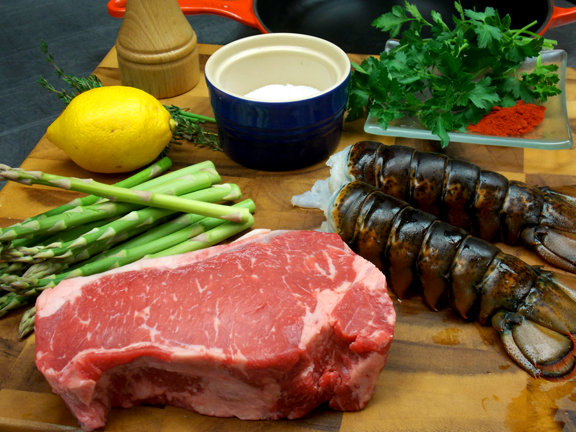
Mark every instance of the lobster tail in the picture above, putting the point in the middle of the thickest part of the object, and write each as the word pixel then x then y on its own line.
pixel 461 182
pixel 427 180
pixel 482 202
pixel 437 252
pixel 534 313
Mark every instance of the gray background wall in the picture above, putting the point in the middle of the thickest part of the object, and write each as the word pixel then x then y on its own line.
pixel 79 34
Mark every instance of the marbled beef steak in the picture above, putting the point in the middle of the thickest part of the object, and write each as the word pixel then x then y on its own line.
pixel 267 327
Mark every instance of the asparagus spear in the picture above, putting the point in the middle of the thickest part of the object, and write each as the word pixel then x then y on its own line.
pixel 127 256
pixel 13 301
pixel 208 232
pixel 159 232
pixel 8 268
pixel 206 167
pixel 85 214
pixel 27 322
pixel 206 239
pixel 54 266
pixel 216 193
pixel 49 267
pixel 31 240
pixel 134 182
pixel 125 195
pixel 50 239
pixel 45 268
pixel 143 176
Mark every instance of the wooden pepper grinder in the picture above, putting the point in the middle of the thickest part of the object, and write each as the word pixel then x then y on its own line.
pixel 157 48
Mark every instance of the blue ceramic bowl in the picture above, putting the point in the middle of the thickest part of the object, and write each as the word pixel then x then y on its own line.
pixel 278 135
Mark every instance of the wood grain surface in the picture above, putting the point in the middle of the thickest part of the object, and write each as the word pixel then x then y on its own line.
pixel 443 373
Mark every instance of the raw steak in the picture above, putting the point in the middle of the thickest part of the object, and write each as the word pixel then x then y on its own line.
pixel 267 327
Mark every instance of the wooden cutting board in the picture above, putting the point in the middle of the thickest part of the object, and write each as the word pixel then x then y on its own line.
pixel 443 373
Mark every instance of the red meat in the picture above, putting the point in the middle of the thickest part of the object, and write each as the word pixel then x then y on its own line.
pixel 267 327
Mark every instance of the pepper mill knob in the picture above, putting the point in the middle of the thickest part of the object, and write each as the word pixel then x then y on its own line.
pixel 157 48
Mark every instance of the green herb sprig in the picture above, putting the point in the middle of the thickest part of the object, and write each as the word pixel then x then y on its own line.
pixel 189 128
pixel 79 85
pixel 453 78
pixel 189 125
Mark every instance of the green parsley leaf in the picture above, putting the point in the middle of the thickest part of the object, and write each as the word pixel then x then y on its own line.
pixel 483 95
pixel 392 21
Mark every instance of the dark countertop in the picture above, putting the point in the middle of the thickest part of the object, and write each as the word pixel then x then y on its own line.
pixel 79 34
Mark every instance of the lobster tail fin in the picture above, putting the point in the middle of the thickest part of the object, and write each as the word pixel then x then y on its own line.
pixel 539 336
pixel 566 283
pixel 567 193
pixel 554 236
pixel 550 306
pixel 559 209
pixel 537 349
pixel 553 246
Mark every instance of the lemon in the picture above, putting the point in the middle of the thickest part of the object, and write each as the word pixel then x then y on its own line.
pixel 112 129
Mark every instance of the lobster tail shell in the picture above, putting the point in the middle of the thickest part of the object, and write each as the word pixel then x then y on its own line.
pixel 558 212
pixel 548 305
pixel 482 202
pixel 365 161
pixel 364 220
pixel 386 168
pixel 507 282
pixel 535 316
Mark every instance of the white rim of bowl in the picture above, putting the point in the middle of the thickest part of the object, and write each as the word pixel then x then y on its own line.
pixel 229 52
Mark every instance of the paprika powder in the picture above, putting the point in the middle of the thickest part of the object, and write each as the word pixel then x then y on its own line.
pixel 513 121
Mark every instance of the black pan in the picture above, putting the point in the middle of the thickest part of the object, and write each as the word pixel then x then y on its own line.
pixel 347 23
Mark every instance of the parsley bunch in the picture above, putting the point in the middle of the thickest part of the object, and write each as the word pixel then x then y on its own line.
pixel 455 77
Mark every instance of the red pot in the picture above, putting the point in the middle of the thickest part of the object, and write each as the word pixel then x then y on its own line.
pixel 347 23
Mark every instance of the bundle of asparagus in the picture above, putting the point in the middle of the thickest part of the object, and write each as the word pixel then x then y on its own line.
pixel 150 214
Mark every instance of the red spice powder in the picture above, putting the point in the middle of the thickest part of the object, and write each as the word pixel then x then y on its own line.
pixel 513 121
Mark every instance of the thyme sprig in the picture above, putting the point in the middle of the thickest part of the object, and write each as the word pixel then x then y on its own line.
pixel 78 84
pixel 189 128
pixel 189 125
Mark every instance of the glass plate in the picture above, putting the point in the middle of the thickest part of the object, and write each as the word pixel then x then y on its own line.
pixel 552 134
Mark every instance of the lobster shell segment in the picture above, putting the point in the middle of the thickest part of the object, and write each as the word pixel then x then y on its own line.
pixel 459 193
pixel 427 181
pixel 522 208
pixel 490 196
pixel 404 249
pixel 437 252
pixel 468 269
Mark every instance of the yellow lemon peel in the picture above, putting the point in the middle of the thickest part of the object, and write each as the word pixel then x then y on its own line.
pixel 112 129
